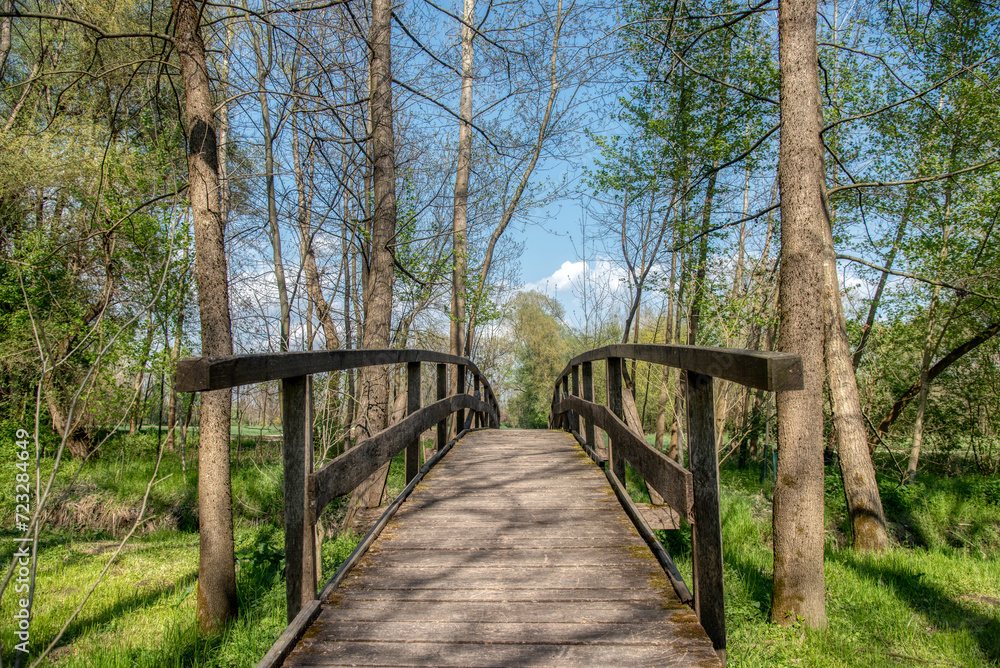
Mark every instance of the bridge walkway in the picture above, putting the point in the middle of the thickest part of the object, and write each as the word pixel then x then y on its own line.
pixel 512 551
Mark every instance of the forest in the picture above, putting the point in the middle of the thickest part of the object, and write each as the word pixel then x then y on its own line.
pixel 203 178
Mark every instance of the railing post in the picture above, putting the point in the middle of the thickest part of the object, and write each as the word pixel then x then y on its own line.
pixel 412 456
pixel 460 389
pixel 588 395
pixel 617 407
pixel 479 414
pixel 706 533
pixel 567 420
pixel 442 392
pixel 300 542
pixel 575 418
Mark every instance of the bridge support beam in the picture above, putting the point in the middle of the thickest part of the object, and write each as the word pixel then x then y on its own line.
pixel 300 522
pixel 706 533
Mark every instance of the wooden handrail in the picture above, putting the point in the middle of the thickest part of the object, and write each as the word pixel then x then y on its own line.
pixel 693 493
pixel 307 493
pixel 199 374
pixel 761 370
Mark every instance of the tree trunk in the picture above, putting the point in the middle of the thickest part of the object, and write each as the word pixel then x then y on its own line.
pixel 864 506
pixel 272 201
pixel 374 385
pixel 798 491
pixel 216 565
pixel 459 222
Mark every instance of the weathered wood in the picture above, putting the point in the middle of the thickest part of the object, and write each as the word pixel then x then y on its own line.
pixel 588 395
pixel 460 389
pixel 762 370
pixel 484 567
pixel 412 463
pixel 300 519
pixel 575 385
pixel 615 404
pixel 442 392
pixel 348 470
pixel 479 415
pixel 707 530
pixel 479 655
pixel 198 374
pixel 362 548
pixel 670 479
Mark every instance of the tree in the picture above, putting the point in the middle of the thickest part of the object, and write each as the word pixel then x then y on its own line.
pixel 216 564
pixel 798 491
pixel 541 353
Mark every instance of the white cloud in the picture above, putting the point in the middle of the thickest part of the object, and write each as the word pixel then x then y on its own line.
pixel 570 276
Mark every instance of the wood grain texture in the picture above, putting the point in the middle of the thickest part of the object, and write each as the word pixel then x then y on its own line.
pixel 762 370
pixel 197 374
pixel 513 551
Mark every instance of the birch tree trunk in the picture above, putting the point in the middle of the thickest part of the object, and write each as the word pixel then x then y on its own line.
pixel 216 564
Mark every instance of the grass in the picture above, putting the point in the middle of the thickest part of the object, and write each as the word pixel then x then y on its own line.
pixel 934 599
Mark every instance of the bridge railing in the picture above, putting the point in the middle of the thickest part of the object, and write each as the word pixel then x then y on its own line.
pixel 307 492
pixel 693 492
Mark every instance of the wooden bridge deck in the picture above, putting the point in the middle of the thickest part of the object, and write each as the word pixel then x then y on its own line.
pixel 513 551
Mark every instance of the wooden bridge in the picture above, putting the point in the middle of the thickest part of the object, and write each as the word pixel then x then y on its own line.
pixel 507 547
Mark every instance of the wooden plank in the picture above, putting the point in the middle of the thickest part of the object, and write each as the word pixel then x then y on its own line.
pixel 300 543
pixel 682 653
pixel 522 611
pixel 348 470
pixel 500 559
pixel 480 594
pixel 529 577
pixel 707 531
pixel 758 369
pixel 660 518
pixel 489 632
pixel 670 479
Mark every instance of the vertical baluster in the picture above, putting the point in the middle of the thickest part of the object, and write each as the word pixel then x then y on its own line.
pixel 588 395
pixel 412 456
pixel 442 392
pixel 567 418
pixel 706 534
pixel 300 543
pixel 479 414
pixel 460 389
pixel 617 407
pixel 575 420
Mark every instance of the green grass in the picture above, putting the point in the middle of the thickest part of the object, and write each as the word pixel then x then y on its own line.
pixel 932 601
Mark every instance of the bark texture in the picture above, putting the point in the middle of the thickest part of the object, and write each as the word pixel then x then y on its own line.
pixel 798 493
pixel 864 505
pixel 374 381
pixel 216 565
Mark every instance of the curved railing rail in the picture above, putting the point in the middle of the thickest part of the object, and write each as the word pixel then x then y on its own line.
pixel 694 492
pixel 306 492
